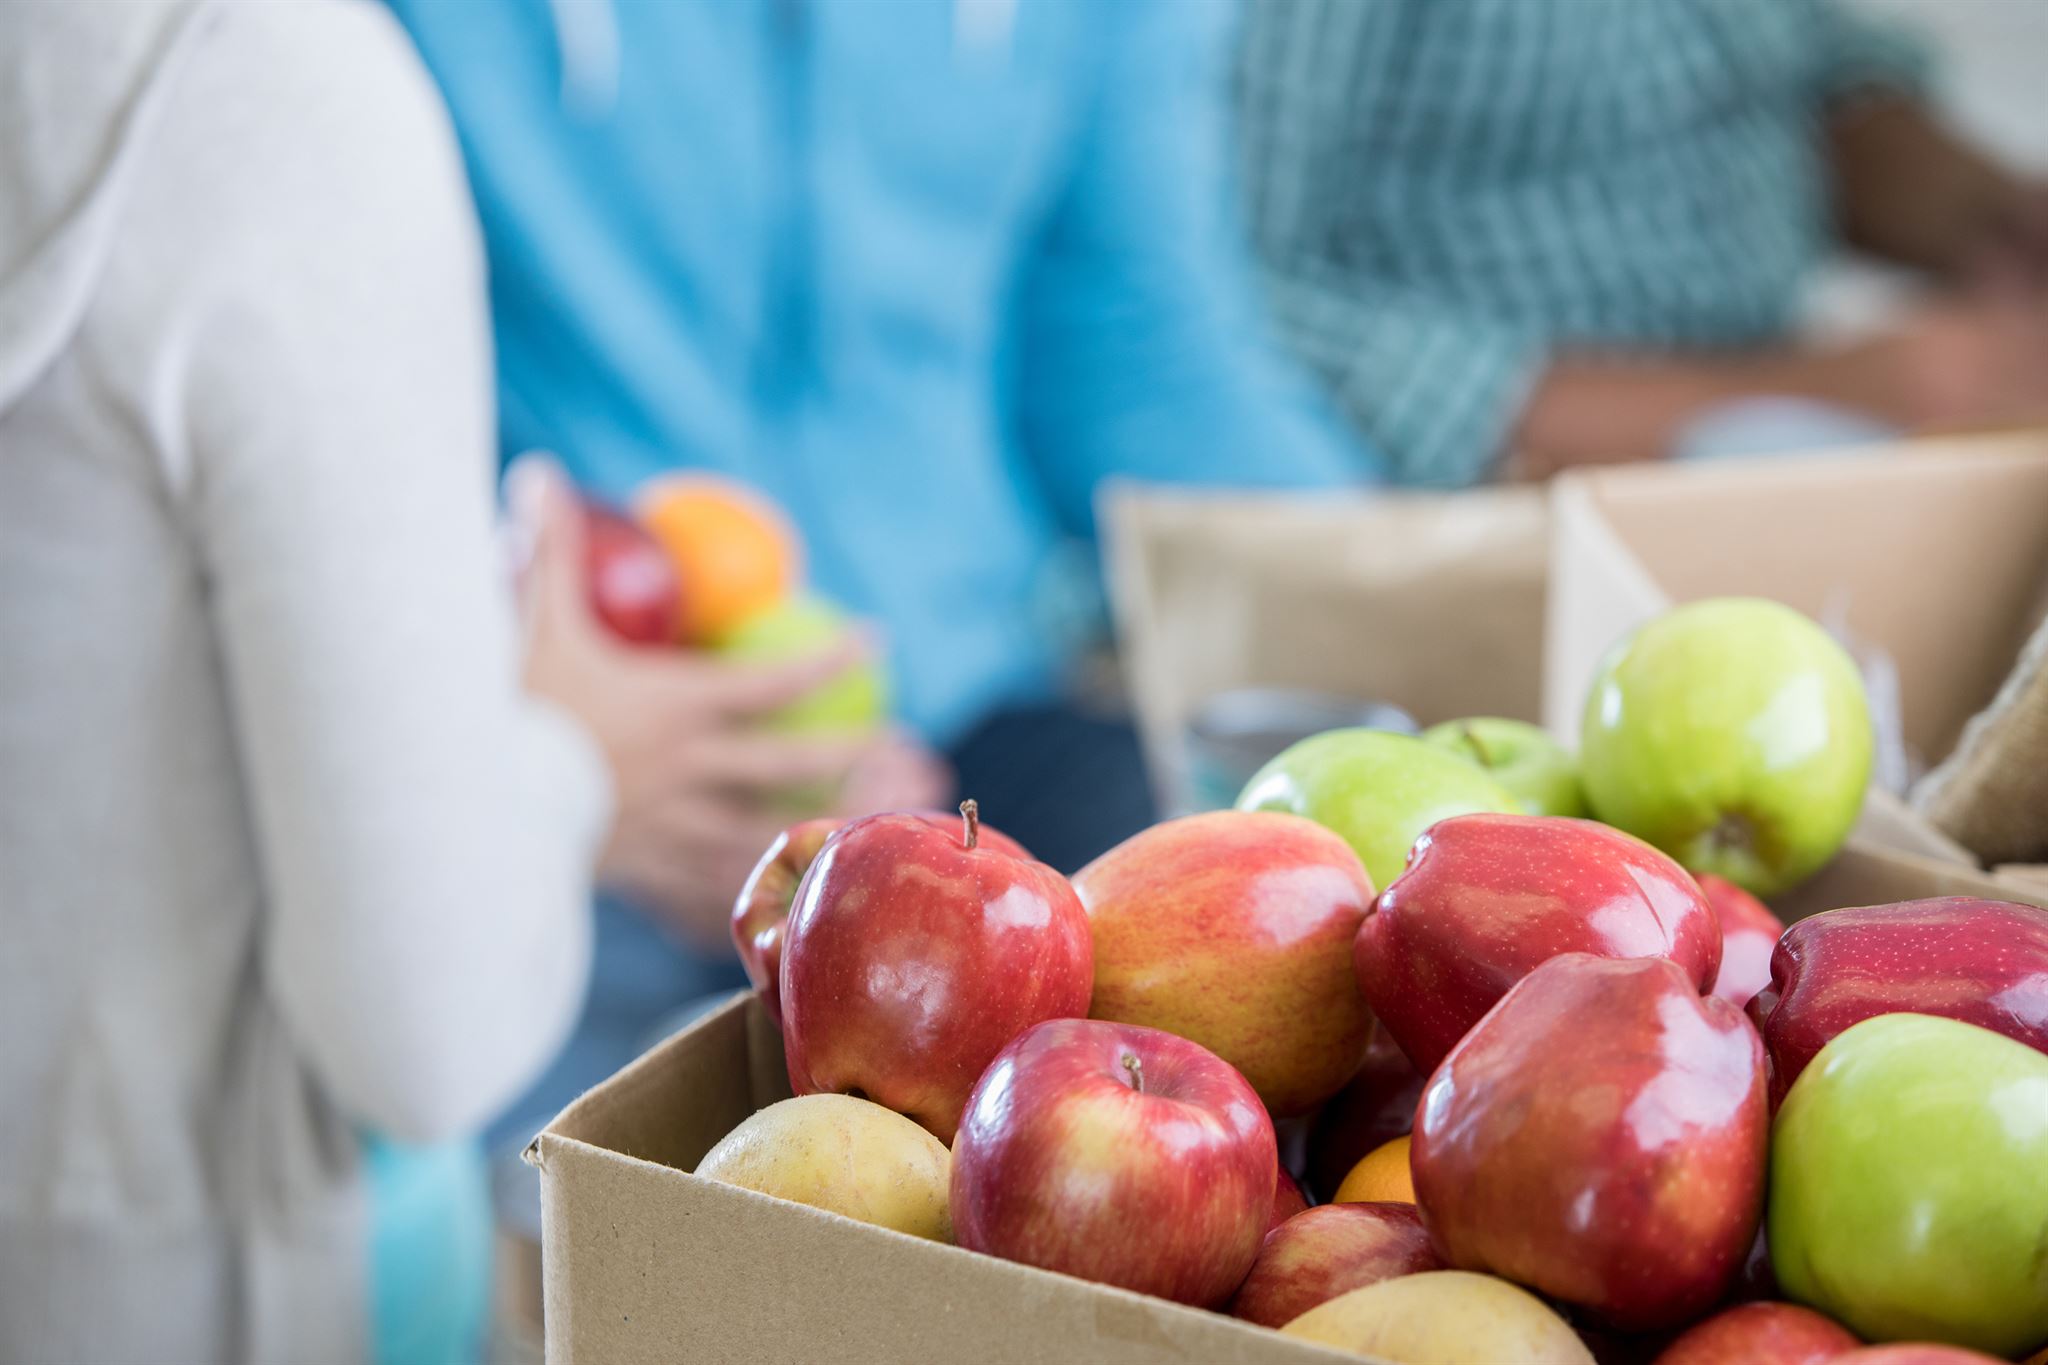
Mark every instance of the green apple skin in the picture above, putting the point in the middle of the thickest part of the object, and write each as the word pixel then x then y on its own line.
pixel 1733 734
pixel 1525 759
pixel 1378 790
pixel 1909 1185
pixel 853 701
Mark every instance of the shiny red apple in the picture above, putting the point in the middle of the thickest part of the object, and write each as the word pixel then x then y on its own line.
pixel 1981 961
pixel 1374 1109
pixel 1761 1334
pixel 632 582
pixel 1486 898
pixel 1117 1153
pixel 914 953
pixel 1233 928
pixel 1288 1200
pixel 1327 1251
pixel 761 913
pixel 1749 933
pixel 1600 1137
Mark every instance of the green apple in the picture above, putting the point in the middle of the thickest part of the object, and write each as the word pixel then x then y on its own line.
pixel 1909 1184
pixel 1525 759
pixel 1376 789
pixel 853 700
pixel 1733 734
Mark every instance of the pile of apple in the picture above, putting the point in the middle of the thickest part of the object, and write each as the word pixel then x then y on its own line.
pixel 1571 1092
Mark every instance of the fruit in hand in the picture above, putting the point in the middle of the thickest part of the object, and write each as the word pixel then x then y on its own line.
pixel 844 1155
pixel 1760 1334
pixel 733 551
pixel 1983 962
pixel 1234 929
pixel 915 952
pixel 1525 759
pixel 1377 1107
pixel 1288 1199
pixel 1381 1176
pixel 1332 1250
pixel 1486 898
pixel 1600 1137
pixel 854 700
pixel 1443 1317
pixel 1909 1185
pixel 1733 734
pixel 632 585
pixel 1376 789
pixel 1119 1154
pixel 1749 933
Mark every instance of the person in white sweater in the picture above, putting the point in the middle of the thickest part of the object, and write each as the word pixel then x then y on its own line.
pixel 287 851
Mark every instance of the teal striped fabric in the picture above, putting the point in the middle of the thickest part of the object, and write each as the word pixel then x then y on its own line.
pixel 1443 190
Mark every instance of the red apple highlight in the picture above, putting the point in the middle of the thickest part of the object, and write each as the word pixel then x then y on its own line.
pixel 1761 1334
pixel 1749 934
pixel 1487 898
pixel 1117 1153
pixel 914 953
pixel 1234 929
pixel 1327 1251
pixel 1600 1137
pixel 632 583
pixel 1983 962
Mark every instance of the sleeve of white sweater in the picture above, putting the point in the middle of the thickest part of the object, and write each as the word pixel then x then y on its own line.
pixel 426 829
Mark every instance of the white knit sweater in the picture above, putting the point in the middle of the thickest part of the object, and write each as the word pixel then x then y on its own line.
pixel 283 848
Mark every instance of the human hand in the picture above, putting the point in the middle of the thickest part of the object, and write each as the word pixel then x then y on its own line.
pixel 700 788
pixel 1959 365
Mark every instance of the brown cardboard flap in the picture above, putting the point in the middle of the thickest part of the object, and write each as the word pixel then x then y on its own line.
pixel 1865 874
pixel 645 1263
pixel 1431 602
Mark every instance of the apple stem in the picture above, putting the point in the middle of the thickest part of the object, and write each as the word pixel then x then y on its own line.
pixel 970 814
pixel 1137 1070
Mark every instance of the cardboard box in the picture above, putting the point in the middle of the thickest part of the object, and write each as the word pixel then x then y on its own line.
pixel 1432 602
pixel 644 1262
pixel 1933 553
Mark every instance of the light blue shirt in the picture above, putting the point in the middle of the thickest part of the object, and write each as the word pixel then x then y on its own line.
pixel 924 271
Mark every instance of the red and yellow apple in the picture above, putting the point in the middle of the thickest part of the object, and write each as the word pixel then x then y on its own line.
pixel 1601 1137
pixel 1288 1199
pixel 913 954
pixel 1760 1334
pixel 1327 1251
pixel 1487 898
pixel 1119 1154
pixel 1234 929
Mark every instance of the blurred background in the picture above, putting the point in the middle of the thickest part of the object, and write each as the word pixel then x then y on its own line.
pixel 486 488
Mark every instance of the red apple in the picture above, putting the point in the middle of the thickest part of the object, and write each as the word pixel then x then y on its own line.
pixel 1288 1199
pixel 1915 1353
pixel 1761 1334
pixel 1749 932
pixel 1983 962
pixel 1234 929
pixel 1327 1251
pixel 1117 1153
pixel 633 587
pixel 914 953
pixel 1486 898
pixel 1600 1137
pixel 761 912
pixel 1377 1107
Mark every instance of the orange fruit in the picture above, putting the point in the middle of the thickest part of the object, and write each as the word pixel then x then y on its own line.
pixel 1380 1177
pixel 733 550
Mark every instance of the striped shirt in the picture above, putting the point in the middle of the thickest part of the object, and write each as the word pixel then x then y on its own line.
pixel 1443 190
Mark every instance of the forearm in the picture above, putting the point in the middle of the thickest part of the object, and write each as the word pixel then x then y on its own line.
pixel 1909 190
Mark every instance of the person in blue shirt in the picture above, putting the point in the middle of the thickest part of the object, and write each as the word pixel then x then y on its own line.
pixel 924 272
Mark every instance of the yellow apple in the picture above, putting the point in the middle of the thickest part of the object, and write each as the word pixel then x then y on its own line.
pixel 845 1155
pixel 1443 1317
